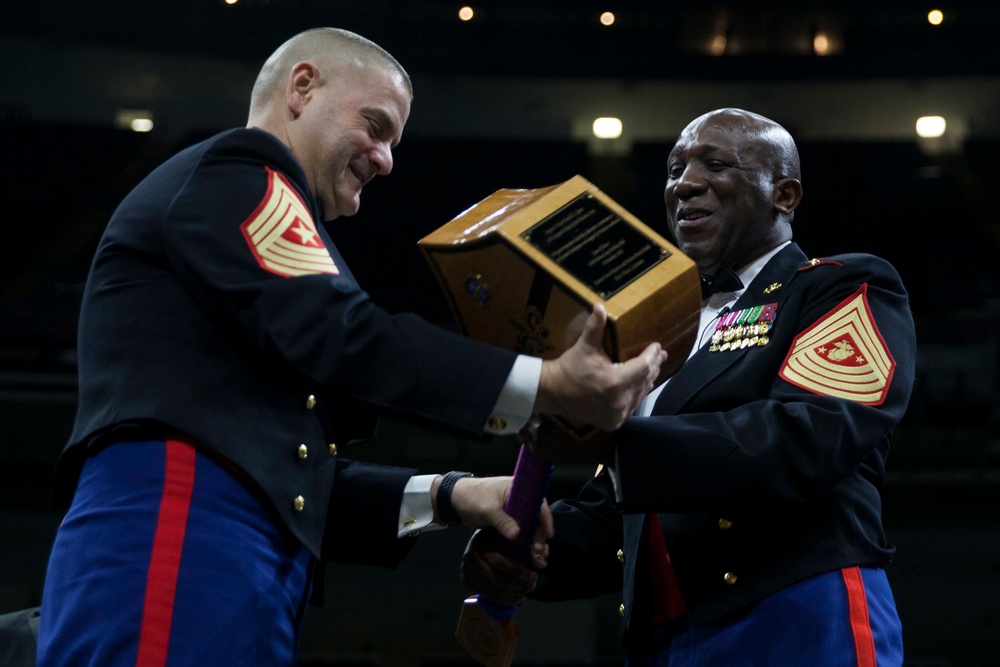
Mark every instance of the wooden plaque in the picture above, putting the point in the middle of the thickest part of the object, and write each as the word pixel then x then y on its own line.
pixel 522 269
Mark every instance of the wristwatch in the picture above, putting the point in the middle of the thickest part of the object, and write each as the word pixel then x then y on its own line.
pixel 445 511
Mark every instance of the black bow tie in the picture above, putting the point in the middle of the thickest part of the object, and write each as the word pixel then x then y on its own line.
pixel 725 280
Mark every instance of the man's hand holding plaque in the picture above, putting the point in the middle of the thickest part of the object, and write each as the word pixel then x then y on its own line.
pixel 570 375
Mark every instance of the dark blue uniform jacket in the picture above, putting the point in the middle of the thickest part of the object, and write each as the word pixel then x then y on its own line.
pixel 764 464
pixel 213 310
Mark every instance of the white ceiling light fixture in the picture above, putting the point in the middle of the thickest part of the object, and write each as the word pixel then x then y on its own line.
pixel 929 127
pixel 136 120
pixel 607 127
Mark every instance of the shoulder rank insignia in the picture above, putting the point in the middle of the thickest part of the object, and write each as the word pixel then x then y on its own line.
pixel 842 355
pixel 744 328
pixel 282 235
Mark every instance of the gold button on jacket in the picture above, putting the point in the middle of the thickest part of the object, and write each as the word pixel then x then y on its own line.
pixel 333 449
pixel 310 402
pixel 621 610
pixel 729 578
pixel 299 503
pixel 621 556
pixel 303 451
pixel 725 524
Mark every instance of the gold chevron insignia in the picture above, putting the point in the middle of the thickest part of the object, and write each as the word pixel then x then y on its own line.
pixel 842 355
pixel 282 235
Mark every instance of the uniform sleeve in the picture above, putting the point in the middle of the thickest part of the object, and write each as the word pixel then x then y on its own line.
pixel 364 514
pixel 582 557
pixel 785 424
pixel 244 242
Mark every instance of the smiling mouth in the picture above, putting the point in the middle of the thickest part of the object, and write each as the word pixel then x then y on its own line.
pixel 358 175
pixel 692 216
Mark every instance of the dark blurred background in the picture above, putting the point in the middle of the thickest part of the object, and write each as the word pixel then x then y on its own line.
pixel 506 100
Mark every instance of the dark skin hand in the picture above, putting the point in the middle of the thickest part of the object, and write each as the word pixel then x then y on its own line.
pixel 488 571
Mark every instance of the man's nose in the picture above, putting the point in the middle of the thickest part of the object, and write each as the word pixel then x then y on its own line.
pixel 688 184
pixel 382 158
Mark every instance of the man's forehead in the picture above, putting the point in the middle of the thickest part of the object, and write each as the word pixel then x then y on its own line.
pixel 704 143
pixel 720 133
pixel 382 92
pixel 720 125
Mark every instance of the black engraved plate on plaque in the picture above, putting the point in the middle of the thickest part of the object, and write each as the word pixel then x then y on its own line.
pixel 595 245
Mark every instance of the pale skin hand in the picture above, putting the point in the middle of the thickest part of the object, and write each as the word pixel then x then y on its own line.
pixel 479 501
pixel 584 385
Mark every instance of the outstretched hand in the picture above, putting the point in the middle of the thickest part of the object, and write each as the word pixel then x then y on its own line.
pixel 584 385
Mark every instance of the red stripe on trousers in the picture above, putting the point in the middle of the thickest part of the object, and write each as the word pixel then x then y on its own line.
pixel 667 602
pixel 861 629
pixel 161 584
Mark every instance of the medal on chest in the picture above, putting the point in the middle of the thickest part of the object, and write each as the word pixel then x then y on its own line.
pixel 744 328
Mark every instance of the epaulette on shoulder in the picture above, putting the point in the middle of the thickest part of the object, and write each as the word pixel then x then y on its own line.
pixel 823 261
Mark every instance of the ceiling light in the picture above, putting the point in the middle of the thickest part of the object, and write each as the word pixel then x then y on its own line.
pixel 607 128
pixel 141 124
pixel 466 13
pixel 718 45
pixel 821 44
pixel 137 120
pixel 929 127
pixel 935 17
pixel 607 18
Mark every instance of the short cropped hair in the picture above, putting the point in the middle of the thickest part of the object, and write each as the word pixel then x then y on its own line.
pixel 320 44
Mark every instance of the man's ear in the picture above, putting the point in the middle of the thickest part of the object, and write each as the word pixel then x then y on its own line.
pixel 302 82
pixel 786 195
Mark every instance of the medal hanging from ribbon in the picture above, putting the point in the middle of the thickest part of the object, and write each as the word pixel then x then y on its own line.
pixel 744 328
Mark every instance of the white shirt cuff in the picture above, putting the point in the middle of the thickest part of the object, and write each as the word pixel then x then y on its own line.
pixel 517 400
pixel 416 513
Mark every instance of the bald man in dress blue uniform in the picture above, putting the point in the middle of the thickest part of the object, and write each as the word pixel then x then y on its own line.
pixel 225 351
pixel 740 512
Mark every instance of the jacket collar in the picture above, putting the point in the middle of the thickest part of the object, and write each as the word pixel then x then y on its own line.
pixel 773 276
pixel 703 367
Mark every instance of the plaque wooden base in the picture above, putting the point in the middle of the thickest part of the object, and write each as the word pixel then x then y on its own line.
pixel 522 269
